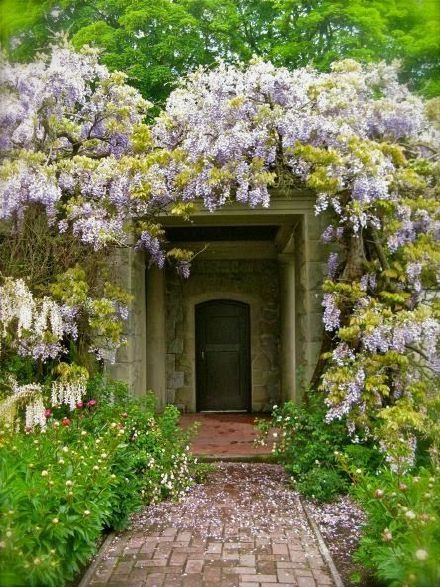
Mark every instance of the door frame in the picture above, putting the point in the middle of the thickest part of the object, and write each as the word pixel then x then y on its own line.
pixel 246 306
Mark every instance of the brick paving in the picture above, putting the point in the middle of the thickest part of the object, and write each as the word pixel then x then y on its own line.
pixel 244 527
pixel 225 435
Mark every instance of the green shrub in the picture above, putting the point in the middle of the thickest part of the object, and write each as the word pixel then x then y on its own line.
pixel 158 448
pixel 309 448
pixel 365 457
pixel 57 493
pixel 60 489
pixel 323 484
pixel 400 543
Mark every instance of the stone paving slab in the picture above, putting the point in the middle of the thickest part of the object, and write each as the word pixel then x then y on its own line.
pixel 243 528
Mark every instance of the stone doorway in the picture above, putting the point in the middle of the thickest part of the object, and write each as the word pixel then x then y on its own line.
pixel 247 279
pixel 271 259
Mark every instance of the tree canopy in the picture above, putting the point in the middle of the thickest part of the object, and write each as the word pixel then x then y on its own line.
pixel 156 41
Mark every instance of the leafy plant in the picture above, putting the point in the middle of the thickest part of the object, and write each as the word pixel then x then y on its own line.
pixel 309 447
pixel 321 483
pixel 401 540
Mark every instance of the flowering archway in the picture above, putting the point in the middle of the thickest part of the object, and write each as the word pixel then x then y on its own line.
pixel 76 151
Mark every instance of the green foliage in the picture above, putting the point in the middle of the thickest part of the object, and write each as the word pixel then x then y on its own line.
pixel 60 489
pixel 309 448
pixel 156 42
pixel 321 483
pixel 401 540
pixel 20 368
pixel 362 457
pixel 58 265
pixel 159 453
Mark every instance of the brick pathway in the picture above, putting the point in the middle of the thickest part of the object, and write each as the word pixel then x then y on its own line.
pixel 244 527
pixel 225 435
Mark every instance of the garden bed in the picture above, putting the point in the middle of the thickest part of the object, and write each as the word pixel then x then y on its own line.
pixel 87 473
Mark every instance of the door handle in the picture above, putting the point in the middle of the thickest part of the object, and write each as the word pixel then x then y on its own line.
pixel 203 355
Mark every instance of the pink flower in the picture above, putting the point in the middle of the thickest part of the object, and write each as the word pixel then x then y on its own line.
pixel 66 422
pixel 387 535
pixel 80 405
pixel 91 403
pixel 48 413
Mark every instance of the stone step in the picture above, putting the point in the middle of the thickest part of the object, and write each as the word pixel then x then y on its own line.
pixel 231 458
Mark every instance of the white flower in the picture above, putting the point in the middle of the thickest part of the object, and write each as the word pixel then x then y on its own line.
pixel 68 392
pixel 410 514
pixel 421 554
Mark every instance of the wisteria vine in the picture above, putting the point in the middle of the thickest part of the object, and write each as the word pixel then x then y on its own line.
pixel 75 142
pixel 369 150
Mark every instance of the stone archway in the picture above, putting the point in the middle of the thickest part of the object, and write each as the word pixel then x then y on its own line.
pixel 264 370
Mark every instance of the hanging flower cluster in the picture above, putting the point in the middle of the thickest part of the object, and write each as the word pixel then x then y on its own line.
pixel 37 326
pixel 70 387
pixel 66 122
pixel 29 397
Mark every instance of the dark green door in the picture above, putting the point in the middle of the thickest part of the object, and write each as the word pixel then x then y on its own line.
pixel 222 356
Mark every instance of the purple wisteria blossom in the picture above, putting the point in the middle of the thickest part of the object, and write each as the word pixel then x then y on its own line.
pixel 406 232
pixel 367 189
pixel 413 271
pixel 352 398
pixel 331 313
pixel 332 233
pixel 27 184
pixel 332 265
pixel 153 246
pixel 342 354
pixel 66 124
pixel 184 269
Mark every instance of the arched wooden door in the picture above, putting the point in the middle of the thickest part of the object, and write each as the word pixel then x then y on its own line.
pixel 223 356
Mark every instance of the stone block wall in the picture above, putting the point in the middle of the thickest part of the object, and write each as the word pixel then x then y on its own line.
pixel 128 266
pixel 310 266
